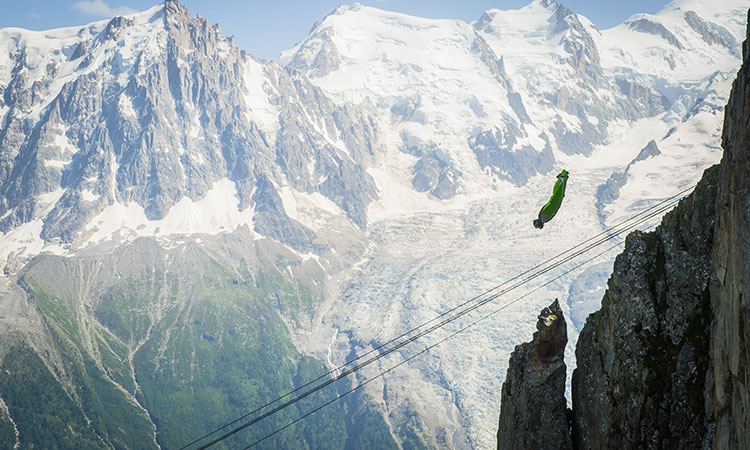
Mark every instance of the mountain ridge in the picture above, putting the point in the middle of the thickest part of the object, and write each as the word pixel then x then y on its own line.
pixel 126 165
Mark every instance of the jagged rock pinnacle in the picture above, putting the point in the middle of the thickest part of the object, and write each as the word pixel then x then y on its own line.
pixel 550 338
pixel 533 406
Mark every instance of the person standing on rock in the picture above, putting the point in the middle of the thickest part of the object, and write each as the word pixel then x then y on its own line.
pixel 549 210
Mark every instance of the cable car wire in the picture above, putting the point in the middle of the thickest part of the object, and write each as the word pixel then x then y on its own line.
pixel 610 233
pixel 423 351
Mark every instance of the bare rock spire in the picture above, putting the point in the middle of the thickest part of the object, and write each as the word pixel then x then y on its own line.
pixel 533 407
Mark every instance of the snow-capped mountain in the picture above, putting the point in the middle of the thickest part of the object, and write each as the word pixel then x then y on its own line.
pixel 121 127
pixel 634 112
pixel 441 87
pixel 384 170
pixel 513 94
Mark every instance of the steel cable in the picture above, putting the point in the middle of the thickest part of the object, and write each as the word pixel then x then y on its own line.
pixel 611 232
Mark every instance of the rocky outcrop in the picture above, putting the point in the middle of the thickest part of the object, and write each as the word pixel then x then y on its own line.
pixel 497 68
pixel 579 44
pixel 499 152
pixel 655 28
pixel 644 99
pixel 643 357
pixel 318 54
pixel 711 33
pixel 610 190
pixel 533 407
pixel 730 287
pixel 433 173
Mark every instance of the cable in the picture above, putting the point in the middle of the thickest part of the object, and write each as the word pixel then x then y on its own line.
pixel 425 350
pixel 412 339
pixel 406 333
pixel 460 314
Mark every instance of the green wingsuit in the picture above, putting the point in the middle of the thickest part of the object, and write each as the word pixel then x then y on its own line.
pixel 549 210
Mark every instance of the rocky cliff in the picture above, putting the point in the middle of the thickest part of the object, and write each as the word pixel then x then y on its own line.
pixel 662 363
pixel 730 283
pixel 642 358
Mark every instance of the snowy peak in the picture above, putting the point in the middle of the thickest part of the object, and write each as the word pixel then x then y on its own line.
pixel 543 25
pixel 540 19
pixel 685 40
pixel 729 14
pixel 440 82
pixel 359 34
pixel 124 128
pixel 27 57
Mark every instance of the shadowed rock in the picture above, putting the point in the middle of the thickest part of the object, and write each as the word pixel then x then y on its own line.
pixel 730 284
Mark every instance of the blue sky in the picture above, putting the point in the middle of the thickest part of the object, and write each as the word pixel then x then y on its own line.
pixel 265 27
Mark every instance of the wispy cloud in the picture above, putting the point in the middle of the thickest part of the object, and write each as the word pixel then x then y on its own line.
pixel 35 15
pixel 100 9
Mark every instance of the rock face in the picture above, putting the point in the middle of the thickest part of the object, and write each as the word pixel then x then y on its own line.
pixel 533 407
pixel 730 337
pixel 434 174
pixel 711 33
pixel 661 365
pixel 495 151
pixel 642 359
pixel 647 26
